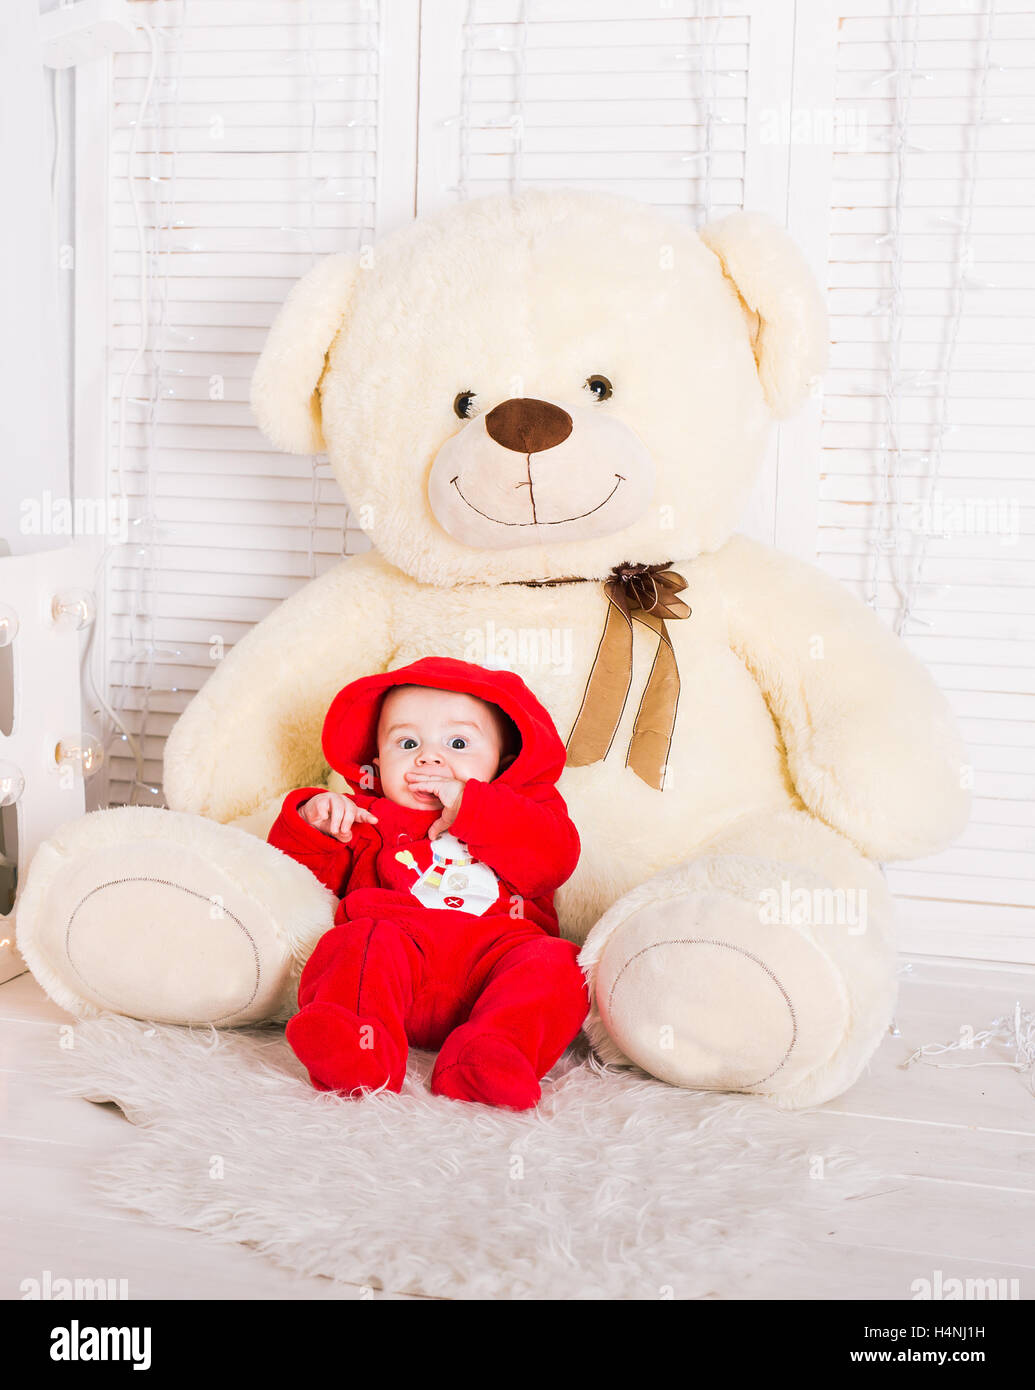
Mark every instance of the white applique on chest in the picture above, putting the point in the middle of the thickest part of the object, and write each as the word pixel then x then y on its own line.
pixel 453 880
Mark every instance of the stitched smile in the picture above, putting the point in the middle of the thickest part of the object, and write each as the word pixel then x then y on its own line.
pixel 535 522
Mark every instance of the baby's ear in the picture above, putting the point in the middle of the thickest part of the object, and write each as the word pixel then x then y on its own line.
pixel 505 762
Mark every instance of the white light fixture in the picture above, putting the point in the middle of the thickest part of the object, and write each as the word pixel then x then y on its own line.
pixel 8 625
pixel 73 609
pixel 81 752
pixel 12 783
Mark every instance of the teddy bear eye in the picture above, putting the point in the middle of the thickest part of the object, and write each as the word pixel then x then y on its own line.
pixel 600 387
pixel 463 403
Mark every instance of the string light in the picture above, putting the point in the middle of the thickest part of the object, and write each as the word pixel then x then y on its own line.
pixel 145 575
pixel 310 62
pixel 518 119
pixel 100 573
pixel 884 533
pixel 161 284
pixel 464 118
pixel 706 52
pixel 1016 1030
pixel 515 122
pixel 58 86
pixel 373 49
pixel 962 282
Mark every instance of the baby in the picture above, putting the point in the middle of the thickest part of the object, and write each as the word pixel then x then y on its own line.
pixel 445 858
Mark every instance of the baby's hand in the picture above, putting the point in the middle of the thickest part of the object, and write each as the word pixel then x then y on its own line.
pixel 335 815
pixel 448 790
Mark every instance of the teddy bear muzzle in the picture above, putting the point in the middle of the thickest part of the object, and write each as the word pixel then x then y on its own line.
pixel 532 470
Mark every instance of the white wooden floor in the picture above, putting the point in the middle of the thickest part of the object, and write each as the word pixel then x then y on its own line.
pixel 960 1147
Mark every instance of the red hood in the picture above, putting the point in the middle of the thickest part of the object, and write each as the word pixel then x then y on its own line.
pixel 350 729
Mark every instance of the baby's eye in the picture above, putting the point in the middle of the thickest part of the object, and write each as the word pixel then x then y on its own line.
pixel 458 742
pixel 408 743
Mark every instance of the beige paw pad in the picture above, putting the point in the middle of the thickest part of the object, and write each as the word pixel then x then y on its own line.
pixel 156 931
pixel 697 991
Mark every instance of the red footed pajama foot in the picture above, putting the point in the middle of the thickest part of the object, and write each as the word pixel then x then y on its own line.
pixel 329 1041
pixel 487 1068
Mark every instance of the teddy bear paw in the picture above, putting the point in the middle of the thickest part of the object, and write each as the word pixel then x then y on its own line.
pixel 696 991
pixel 168 917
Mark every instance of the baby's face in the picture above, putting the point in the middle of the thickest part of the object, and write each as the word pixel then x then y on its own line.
pixel 422 730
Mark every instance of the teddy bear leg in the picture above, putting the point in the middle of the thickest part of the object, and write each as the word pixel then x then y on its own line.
pixel 764 964
pixel 168 917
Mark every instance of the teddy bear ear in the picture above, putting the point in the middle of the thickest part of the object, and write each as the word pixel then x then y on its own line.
pixel 771 276
pixel 285 391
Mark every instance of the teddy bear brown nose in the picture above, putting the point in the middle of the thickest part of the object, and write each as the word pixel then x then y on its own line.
pixel 528 426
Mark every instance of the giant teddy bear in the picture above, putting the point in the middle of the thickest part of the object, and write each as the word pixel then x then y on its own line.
pixel 547 412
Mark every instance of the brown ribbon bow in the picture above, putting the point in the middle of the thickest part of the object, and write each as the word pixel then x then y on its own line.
pixel 645 594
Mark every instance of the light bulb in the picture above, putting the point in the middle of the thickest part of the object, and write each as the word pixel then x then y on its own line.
pixel 8 625
pixel 83 752
pixel 73 609
pixel 12 783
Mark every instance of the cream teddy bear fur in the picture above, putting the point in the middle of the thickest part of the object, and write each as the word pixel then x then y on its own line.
pixel 737 932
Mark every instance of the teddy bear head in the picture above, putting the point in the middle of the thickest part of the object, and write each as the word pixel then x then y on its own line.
pixel 545 385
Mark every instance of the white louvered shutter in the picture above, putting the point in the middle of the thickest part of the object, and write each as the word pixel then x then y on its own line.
pixel 271 141
pixel 966 508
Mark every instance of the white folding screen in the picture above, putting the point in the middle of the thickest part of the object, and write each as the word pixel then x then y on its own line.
pixel 649 101
pixel 279 130
pixel 263 140
pixel 925 487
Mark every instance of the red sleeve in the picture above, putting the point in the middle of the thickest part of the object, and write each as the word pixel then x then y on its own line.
pixel 527 837
pixel 329 859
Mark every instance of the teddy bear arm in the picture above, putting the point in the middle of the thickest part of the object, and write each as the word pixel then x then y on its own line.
pixel 871 744
pixel 253 731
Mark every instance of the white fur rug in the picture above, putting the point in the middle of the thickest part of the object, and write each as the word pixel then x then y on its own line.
pixel 617 1187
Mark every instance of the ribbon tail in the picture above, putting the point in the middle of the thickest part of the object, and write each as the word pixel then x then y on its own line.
pixel 656 717
pixel 606 690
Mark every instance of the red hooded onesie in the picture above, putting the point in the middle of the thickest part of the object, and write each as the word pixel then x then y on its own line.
pixel 451 943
